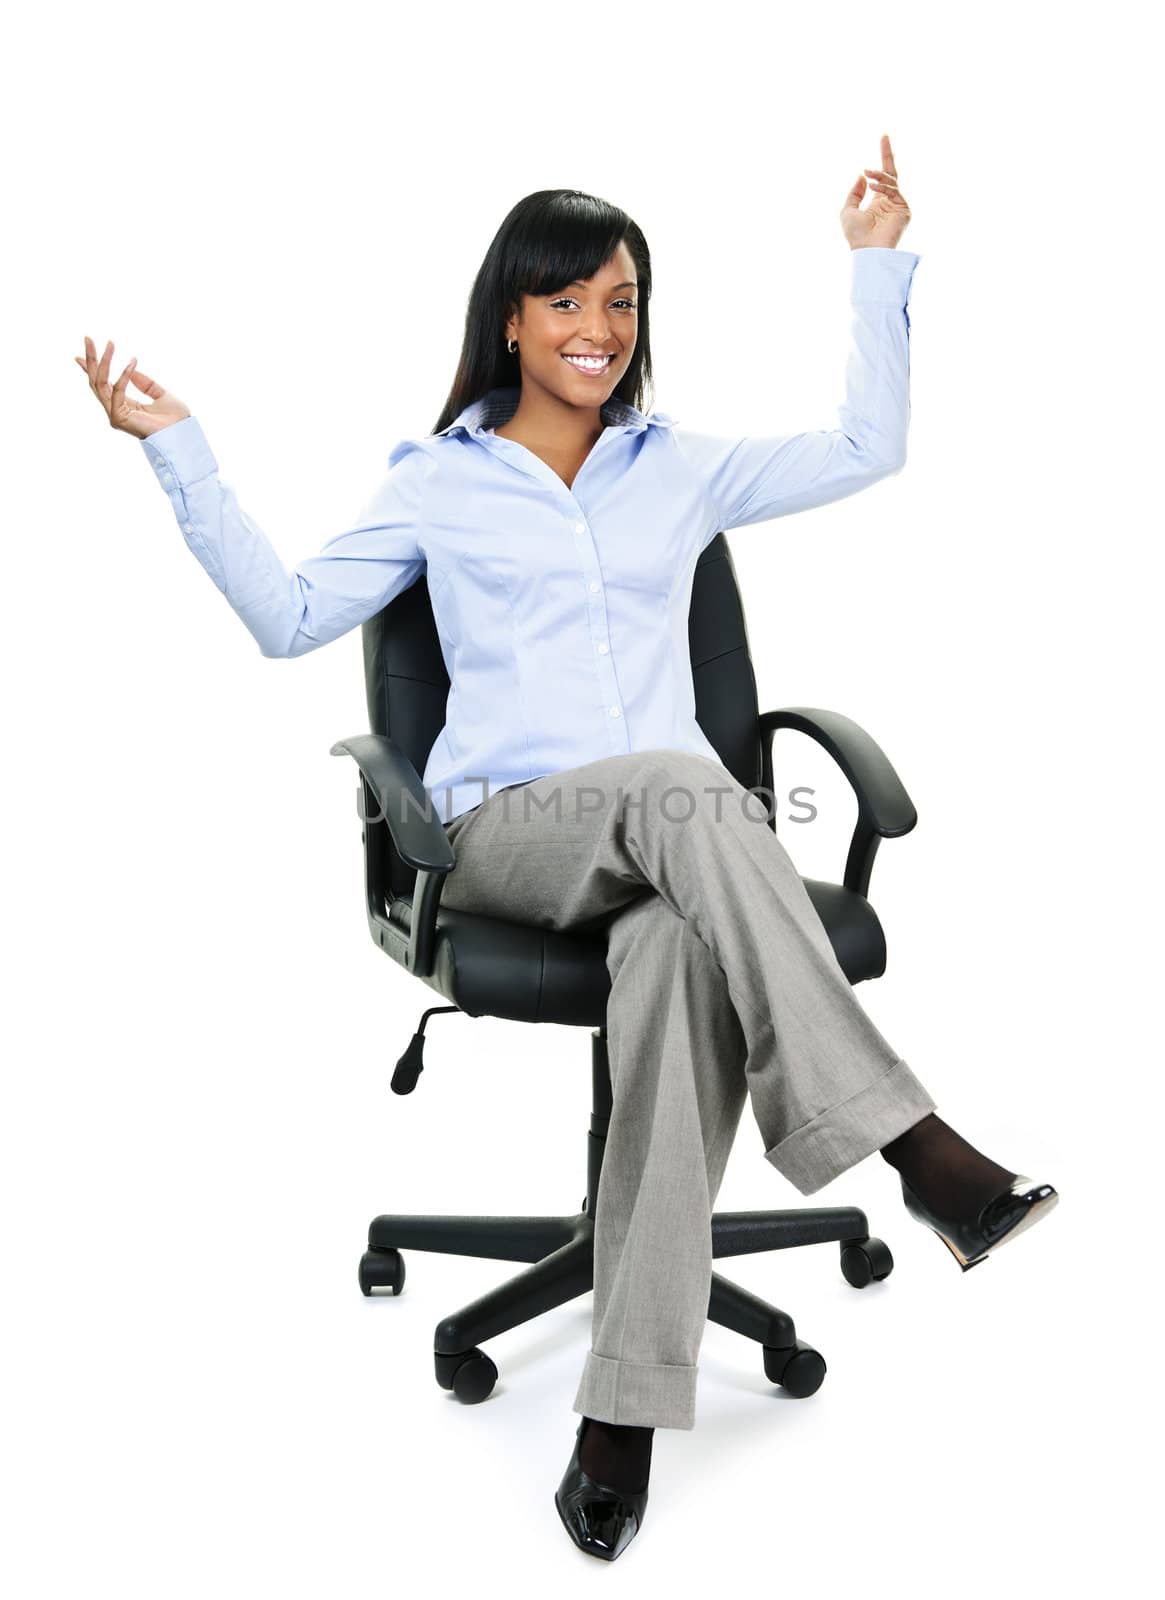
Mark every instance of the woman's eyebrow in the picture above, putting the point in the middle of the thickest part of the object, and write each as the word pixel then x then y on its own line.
pixel 581 284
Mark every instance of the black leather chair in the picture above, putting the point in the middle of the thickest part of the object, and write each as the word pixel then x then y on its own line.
pixel 487 967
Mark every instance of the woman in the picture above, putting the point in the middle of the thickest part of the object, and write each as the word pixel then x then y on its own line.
pixel 559 527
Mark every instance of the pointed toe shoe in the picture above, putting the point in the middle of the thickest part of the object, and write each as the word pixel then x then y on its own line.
pixel 1004 1217
pixel 600 1519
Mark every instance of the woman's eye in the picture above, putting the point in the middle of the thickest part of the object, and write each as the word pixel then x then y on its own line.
pixel 570 300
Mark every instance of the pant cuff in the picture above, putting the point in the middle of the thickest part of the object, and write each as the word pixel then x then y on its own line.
pixel 637 1394
pixel 821 1150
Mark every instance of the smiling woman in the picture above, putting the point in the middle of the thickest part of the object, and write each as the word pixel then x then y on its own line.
pixel 558 527
pixel 560 305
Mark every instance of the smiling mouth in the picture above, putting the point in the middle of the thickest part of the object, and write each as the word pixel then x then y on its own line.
pixel 584 365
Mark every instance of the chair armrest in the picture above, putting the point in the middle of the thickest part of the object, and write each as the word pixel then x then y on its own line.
pixel 419 838
pixel 416 829
pixel 885 810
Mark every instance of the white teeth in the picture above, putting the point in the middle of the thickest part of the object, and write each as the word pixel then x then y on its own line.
pixel 591 363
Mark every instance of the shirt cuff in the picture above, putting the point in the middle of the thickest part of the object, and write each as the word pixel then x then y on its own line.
pixel 180 454
pixel 882 275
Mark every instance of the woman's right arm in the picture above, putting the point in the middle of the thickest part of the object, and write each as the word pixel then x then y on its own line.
pixel 289 613
pixel 355 575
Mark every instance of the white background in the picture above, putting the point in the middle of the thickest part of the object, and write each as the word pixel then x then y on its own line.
pixel 280 211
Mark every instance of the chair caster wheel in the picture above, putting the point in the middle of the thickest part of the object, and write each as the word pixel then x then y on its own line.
pixel 865 1261
pixel 470 1374
pixel 800 1370
pixel 382 1269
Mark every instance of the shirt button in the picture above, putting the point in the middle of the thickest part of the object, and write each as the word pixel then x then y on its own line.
pixel 593 587
pixel 603 648
pixel 580 527
pixel 614 711
pixel 167 479
pixel 186 528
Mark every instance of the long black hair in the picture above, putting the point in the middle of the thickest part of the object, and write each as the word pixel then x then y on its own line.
pixel 550 238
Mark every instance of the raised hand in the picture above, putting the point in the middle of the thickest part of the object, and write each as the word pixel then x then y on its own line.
pixel 883 221
pixel 123 410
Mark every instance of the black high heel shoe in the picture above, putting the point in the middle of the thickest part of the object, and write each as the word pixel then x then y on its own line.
pixel 1002 1218
pixel 601 1520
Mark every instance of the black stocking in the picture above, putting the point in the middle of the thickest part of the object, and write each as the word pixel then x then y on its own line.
pixel 946 1173
pixel 616 1455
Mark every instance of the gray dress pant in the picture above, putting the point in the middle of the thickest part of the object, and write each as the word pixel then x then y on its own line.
pixel 723 984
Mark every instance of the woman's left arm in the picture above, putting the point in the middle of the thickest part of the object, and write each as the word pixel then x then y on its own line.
pixel 757 478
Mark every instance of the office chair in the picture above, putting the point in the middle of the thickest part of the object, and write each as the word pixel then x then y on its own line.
pixel 488 967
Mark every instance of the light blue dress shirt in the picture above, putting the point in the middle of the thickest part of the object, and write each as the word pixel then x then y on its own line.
pixel 562 613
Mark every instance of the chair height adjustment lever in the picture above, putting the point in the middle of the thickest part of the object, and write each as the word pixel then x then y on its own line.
pixel 411 1064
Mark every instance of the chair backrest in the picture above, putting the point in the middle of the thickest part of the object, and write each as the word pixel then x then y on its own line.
pixel 407 685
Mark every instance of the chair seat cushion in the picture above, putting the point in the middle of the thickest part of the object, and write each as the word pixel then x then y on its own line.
pixel 530 974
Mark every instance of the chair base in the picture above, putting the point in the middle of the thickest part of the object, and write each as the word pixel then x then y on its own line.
pixel 561 1252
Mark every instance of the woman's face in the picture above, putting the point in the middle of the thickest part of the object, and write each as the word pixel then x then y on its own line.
pixel 595 317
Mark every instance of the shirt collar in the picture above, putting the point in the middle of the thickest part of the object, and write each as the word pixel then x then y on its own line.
pixel 499 405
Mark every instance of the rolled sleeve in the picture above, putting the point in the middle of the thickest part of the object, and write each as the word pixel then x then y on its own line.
pixel 882 277
pixel 182 451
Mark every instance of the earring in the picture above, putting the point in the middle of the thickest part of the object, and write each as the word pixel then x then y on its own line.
pixel 511 346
